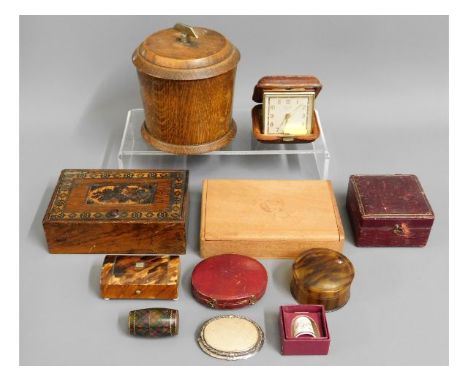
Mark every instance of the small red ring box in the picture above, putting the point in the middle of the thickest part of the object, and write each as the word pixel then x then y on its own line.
pixel 304 345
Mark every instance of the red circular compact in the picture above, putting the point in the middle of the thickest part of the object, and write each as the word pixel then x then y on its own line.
pixel 229 281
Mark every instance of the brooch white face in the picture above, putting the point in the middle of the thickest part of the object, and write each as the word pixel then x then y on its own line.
pixel 230 337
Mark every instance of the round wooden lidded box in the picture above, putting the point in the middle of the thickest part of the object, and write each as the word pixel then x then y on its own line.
pixel 229 281
pixel 323 277
pixel 186 79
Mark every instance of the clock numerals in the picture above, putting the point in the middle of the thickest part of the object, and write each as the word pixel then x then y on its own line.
pixel 288 114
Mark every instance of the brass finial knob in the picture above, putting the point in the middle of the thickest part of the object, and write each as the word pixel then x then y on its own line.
pixel 187 32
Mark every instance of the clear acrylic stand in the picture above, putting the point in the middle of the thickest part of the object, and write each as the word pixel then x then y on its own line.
pixel 134 147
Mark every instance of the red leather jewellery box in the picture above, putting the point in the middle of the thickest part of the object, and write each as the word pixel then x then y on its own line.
pixel 388 211
pixel 305 344
pixel 229 281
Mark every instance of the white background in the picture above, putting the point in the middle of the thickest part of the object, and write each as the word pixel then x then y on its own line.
pixel 458 64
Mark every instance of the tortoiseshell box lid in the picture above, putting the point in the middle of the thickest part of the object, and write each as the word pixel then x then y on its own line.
pixel 389 211
pixel 140 277
pixel 118 211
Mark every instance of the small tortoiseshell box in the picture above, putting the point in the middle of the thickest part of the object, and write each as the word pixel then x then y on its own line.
pixel 140 277
pixel 118 211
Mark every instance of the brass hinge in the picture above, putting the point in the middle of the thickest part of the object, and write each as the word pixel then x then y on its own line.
pixel 211 302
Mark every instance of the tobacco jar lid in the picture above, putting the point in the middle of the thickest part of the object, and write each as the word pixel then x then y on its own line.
pixel 231 337
pixel 185 53
pixel 324 271
pixel 229 281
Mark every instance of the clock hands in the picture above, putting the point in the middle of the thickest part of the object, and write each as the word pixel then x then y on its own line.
pixel 287 117
pixel 298 107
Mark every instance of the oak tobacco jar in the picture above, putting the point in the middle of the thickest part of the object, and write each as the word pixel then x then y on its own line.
pixel 186 79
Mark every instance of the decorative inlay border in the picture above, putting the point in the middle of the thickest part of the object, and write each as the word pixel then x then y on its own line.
pixel 174 211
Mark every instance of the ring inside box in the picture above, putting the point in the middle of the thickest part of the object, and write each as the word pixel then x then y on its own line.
pixel 288 319
pixel 304 344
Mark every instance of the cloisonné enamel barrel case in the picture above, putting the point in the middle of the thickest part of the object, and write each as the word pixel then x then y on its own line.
pixel 153 322
pixel 186 77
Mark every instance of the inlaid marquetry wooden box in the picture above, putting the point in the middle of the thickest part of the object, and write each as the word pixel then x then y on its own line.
pixel 118 211
pixel 140 277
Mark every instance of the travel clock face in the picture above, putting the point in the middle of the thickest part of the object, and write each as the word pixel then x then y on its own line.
pixel 288 113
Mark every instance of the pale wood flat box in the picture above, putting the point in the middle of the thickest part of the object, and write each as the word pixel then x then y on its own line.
pixel 268 218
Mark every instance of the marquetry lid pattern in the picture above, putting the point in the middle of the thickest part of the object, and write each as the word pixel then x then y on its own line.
pixel 165 54
pixel 57 210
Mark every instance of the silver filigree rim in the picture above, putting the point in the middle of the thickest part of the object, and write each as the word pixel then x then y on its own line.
pixel 231 356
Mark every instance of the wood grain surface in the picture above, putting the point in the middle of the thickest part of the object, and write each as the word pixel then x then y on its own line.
pixel 268 218
pixel 118 211
pixel 140 277
pixel 165 55
pixel 187 91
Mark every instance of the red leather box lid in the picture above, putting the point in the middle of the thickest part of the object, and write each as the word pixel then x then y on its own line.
pixel 386 198
pixel 229 281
